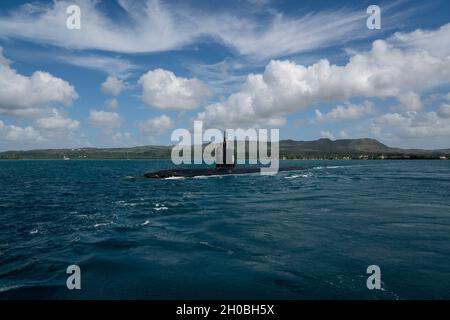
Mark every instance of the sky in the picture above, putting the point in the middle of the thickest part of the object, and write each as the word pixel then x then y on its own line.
pixel 137 70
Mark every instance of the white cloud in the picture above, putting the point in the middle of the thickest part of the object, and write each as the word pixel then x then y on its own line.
pixel 343 134
pixel 286 87
pixel 156 126
pixel 113 86
pixel 435 41
pixel 57 122
pixel 163 89
pixel 113 66
pixel 225 76
pixel 444 111
pixel 25 96
pixel 327 135
pixel 121 138
pixel 17 134
pixel 347 112
pixel 3 60
pixel 112 104
pixel 410 101
pixel 104 119
pixel 156 27
pixel 411 124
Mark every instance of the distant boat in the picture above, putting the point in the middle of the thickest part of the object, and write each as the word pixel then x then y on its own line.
pixel 66 158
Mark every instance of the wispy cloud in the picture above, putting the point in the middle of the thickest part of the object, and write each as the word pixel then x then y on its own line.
pixel 153 26
pixel 225 76
pixel 118 67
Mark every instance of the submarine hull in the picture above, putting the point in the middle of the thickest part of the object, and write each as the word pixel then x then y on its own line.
pixel 189 173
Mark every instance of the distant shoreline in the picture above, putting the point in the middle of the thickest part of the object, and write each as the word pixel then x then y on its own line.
pixel 322 149
pixel 168 159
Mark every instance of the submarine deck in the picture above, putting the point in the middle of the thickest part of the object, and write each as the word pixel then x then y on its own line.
pixel 189 173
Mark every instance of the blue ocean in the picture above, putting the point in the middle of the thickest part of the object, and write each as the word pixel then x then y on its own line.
pixel 307 234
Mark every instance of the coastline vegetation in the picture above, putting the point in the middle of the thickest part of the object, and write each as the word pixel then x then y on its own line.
pixel 322 149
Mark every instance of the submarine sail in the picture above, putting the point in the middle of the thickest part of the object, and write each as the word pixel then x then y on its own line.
pixel 224 155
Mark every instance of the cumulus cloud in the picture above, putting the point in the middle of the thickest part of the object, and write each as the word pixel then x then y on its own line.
pixel 156 126
pixel 31 95
pixel 444 111
pixel 113 86
pixel 327 135
pixel 435 41
pixel 285 87
pixel 343 134
pixel 410 100
pixel 3 60
pixel 104 119
pixel 121 138
pixel 156 26
pixel 347 112
pixel 57 122
pixel 14 133
pixel 163 89
pixel 112 104
pixel 411 124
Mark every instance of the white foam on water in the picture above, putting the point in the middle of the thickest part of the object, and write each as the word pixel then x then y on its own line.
pixel 34 231
pixel 160 206
pixel 307 175
pixel 7 288
pixel 175 178
pixel 131 204
pixel 146 222
pixel 329 167
pixel 206 177
pixel 126 204
pixel 101 224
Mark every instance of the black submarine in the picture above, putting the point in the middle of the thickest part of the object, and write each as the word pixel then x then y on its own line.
pixel 225 165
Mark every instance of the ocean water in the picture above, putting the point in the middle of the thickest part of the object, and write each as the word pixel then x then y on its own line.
pixel 308 234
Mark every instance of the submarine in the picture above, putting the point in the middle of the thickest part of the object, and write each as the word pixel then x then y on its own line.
pixel 225 165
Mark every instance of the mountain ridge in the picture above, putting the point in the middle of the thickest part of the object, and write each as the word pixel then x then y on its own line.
pixel 289 149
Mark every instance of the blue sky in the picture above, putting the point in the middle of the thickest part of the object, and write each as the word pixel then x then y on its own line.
pixel 136 70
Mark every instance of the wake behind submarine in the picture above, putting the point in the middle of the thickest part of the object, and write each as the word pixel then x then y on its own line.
pixel 224 166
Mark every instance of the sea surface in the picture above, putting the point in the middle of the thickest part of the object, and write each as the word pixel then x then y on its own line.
pixel 307 234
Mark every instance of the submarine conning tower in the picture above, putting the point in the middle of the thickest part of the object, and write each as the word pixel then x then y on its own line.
pixel 223 158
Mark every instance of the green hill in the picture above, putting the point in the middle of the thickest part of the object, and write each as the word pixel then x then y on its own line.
pixel 290 149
